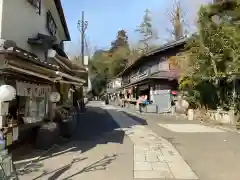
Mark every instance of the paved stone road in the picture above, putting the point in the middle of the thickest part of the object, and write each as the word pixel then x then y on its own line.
pixel 190 128
pixel 124 145
pixel 154 156
pixel 212 153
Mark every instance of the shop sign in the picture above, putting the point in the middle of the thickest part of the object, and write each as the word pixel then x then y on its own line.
pixel 32 90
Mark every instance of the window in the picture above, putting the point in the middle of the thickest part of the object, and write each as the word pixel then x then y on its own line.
pixel 51 25
pixel 163 65
pixel 155 68
pixel 36 4
pixel 35 108
pixel 173 64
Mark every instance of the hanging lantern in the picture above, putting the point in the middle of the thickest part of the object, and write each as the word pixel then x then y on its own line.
pixel 55 97
pixel 7 93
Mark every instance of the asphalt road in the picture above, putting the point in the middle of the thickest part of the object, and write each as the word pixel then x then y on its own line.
pixel 94 123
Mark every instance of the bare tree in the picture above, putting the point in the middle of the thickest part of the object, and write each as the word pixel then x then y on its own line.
pixel 177 17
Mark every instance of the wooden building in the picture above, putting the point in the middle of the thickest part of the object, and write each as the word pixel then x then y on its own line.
pixel 33 61
pixel 34 81
pixel 155 75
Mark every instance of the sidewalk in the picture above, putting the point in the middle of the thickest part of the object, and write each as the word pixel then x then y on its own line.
pixel 97 151
pixel 211 123
pixel 212 153
pixel 124 145
pixel 154 156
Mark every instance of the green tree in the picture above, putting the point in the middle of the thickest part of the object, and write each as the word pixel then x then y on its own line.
pixel 98 66
pixel 214 51
pixel 120 42
pixel 106 64
pixel 145 29
pixel 118 53
pixel 217 43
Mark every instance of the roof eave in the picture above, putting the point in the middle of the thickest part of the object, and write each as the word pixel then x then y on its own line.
pixel 63 20
pixel 163 48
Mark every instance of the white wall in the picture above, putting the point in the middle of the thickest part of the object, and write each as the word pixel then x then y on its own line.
pixel 117 83
pixel 21 21
pixel 1 3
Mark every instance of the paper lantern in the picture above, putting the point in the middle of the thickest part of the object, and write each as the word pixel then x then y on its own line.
pixel 7 93
pixel 55 97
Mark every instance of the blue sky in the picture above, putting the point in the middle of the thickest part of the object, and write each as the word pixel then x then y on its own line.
pixel 106 17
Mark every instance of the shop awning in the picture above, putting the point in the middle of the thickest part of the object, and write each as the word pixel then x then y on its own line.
pixel 70 82
pixel 23 62
pixel 61 74
pixel 75 71
pixel 27 72
pixel 58 78
pixel 65 62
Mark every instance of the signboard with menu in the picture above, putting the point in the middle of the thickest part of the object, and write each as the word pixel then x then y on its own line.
pixel 32 90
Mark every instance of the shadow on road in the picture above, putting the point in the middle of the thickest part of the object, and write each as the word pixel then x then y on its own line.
pixel 95 126
pixel 143 121
pixel 96 166
pixel 136 118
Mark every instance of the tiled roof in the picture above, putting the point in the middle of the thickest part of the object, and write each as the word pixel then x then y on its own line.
pixel 21 53
pixel 158 50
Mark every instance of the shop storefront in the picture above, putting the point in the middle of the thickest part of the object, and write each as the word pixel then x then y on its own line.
pixel 32 101
pixel 33 82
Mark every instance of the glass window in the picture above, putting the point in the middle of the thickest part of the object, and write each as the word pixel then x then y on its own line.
pixel 155 68
pixel 36 4
pixel 36 108
pixel 22 105
pixel 163 65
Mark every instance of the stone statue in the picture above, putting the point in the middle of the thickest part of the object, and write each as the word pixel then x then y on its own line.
pixel 181 105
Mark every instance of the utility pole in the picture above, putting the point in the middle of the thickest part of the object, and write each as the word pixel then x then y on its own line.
pixel 82 26
pixel 82 37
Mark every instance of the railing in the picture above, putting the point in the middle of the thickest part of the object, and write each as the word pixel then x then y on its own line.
pixel 168 74
pixel 125 82
pixel 144 74
pixel 139 76
pixel 161 73
pixel 134 78
pixel 155 71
